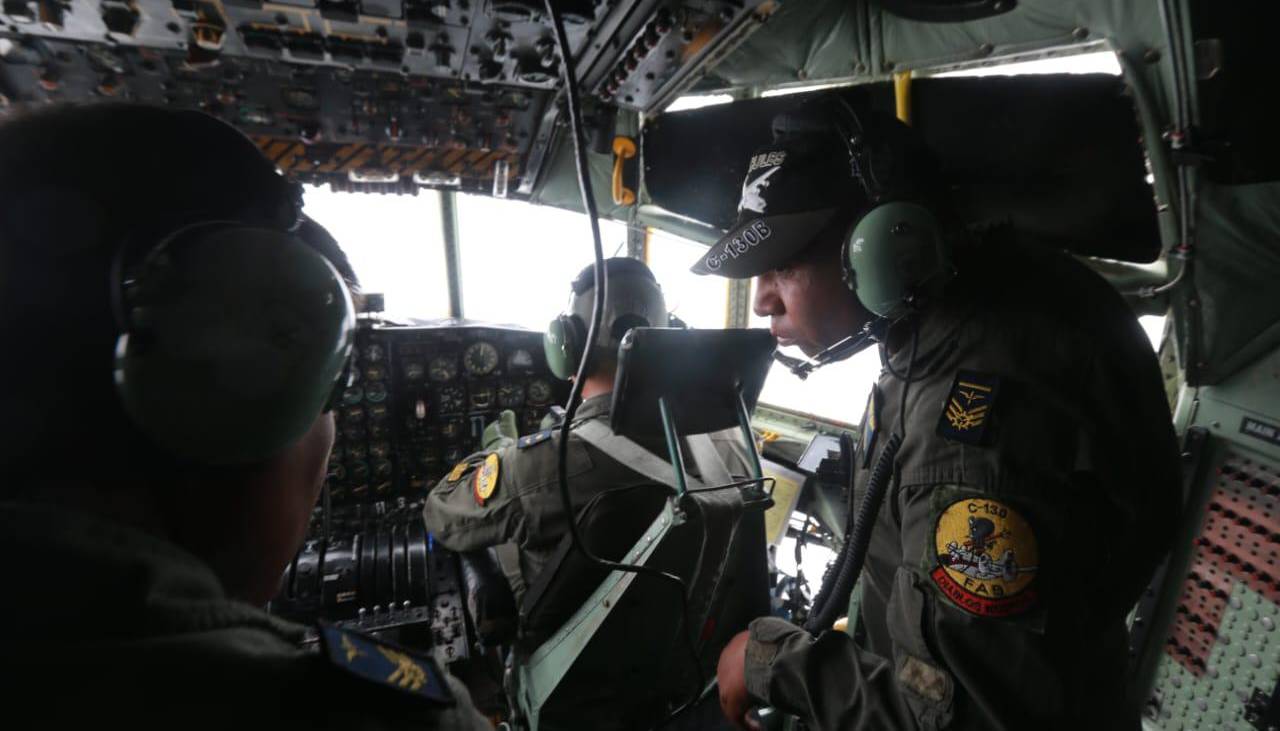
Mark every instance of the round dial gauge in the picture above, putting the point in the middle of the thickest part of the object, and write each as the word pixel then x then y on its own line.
pixel 353 395
pixel 480 358
pixel 374 354
pixel 414 371
pixel 539 392
pixel 520 360
pixel 442 368
pixel 482 398
pixel 357 451
pixel 452 399
pixel 381 450
pixel 360 472
pixel 451 429
pixel 353 414
pixel 375 373
pixel 510 395
pixel 376 393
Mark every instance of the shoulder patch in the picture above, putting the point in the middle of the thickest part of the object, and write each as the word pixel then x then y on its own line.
pixel 987 558
pixel 966 415
pixel 384 663
pixel 536 438
pixel 458 471
pixel 485 481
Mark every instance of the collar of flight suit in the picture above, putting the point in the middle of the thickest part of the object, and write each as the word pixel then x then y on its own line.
pixel 596 407
pixel 75 560
pixel 937 329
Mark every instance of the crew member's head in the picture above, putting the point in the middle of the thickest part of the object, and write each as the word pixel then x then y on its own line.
pixel 633 298
pixel 176 331
pixel 832 161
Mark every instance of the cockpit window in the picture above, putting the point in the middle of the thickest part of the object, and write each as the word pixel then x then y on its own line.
pixel 698 301
pixel 395 244
pixel 518 258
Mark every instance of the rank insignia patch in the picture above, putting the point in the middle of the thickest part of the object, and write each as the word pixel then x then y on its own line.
pixel 384 664
pixel 486 479
pixel 535 438
pixel 967 412
pixel 987 558
pixel 458 471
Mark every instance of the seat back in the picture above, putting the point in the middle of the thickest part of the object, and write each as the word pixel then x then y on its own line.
pixel 635 664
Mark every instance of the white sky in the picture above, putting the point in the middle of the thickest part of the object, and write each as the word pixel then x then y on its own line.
pixel 518 260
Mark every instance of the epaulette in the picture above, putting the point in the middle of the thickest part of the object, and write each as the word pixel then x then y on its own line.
pixel 539 437
pixel 535 438
pixel 385 664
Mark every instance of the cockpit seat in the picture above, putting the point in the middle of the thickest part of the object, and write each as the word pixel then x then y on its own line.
pixel 611 649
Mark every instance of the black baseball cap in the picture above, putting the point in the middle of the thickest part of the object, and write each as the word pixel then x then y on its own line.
pixel 800 184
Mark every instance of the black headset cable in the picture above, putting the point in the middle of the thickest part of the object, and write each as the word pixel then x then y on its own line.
pixel 584 365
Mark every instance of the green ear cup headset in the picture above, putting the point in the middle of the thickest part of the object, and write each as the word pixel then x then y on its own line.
pixel 232 339
pixel 634 299
pixel 896 254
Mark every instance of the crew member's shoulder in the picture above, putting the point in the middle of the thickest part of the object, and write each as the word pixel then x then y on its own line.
pixel 376 684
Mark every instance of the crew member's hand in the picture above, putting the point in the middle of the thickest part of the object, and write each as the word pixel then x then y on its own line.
pixel 500 433
pixel 731 675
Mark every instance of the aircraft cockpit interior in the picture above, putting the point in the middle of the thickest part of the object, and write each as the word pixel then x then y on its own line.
pixel 472 156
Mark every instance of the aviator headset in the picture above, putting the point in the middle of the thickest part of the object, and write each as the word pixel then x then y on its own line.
pixel 232 336
pixel 634 299
pixel 896 255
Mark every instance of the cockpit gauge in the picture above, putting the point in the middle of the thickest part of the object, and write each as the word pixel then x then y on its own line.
pixel 520 360
pixel 443 368
pixel 414 371
pixel 453 400
pixel 539 392
pixel 480 358
pixel 360 472
pixel 452 429
pixel 481 398
pixel 353 395
pixel 380 450
pixel 382 469
pixel 377 412
pixel 353 431
pixel 337 472
pixel 453 455
pixel 357 451
pixel 375 373
pixel 375 392
pixel 352 414
pixel 510 395
pixel 375 354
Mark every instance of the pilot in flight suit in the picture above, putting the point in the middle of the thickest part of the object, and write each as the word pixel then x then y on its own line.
pixel 522 511
pixel 147 520
pixel 1035 485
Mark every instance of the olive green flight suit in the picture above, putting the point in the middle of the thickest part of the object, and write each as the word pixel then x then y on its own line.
pixel 525 510
pixel 108 627
pixel 1035 491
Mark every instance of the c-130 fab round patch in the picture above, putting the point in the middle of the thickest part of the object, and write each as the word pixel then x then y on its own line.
pixel 987 558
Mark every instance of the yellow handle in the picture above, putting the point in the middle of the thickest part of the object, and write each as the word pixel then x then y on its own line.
pixel 902 95
pixel 624 148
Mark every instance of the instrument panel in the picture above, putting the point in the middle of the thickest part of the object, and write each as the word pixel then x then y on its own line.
pixel 419 402
pixel 369 95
